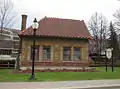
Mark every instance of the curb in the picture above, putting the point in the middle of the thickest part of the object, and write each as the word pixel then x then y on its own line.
pixel 83 87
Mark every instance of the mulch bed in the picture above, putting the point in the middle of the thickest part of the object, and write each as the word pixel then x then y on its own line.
pixel 56 70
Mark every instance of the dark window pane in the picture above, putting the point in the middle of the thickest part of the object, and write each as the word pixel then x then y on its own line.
pixel 46 53
pixel 77 53
pixel 36 52
pixel 66 53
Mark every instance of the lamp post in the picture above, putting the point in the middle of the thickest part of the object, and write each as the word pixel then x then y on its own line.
pixel 35 27
pixel 112 62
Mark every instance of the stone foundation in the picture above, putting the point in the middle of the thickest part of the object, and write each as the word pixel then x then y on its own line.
pixel 58 69
pixel 66 63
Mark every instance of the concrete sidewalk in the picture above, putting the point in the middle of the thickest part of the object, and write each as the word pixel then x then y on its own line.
pixel 60 85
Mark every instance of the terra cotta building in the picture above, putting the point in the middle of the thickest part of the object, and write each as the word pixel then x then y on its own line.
pixel 59 42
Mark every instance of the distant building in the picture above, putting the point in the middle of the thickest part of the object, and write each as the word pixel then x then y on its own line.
pixel 58 42
pixel 9 44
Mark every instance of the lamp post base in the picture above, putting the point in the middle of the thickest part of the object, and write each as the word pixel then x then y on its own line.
pixel 106 69
pixel 32 77
pixel 112 69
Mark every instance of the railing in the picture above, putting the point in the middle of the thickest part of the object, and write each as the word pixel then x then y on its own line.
pixel 7 65
pixel 98 64
pixel 6 61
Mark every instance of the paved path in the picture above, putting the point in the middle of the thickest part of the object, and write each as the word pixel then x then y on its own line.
pixel 60 85
pixel 104 88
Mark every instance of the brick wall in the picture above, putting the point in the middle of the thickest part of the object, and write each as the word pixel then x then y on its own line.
pixel 56 44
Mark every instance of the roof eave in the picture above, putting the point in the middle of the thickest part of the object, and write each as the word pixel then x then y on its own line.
pixel 20 35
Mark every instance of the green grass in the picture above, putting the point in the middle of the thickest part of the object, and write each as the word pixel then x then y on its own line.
pixel 7 76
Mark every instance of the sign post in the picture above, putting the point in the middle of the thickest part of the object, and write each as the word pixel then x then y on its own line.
pixel 109 55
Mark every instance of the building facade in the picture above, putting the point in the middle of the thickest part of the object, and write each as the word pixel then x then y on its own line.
pixel 59 42
pixel 9 44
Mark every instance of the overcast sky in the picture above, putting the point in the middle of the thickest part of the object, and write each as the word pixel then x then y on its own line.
pixel 70 9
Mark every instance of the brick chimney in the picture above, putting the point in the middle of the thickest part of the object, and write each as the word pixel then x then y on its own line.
pixel 23 23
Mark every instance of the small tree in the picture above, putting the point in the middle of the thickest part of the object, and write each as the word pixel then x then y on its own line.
pixel 6 14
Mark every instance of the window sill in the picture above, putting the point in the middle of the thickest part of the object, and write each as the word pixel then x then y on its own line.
pixel 42 61
pixel 73 61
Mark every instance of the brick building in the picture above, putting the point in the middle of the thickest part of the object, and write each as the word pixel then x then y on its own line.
pixel 59 42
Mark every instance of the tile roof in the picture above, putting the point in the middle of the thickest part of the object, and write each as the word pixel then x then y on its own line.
pixel 57 27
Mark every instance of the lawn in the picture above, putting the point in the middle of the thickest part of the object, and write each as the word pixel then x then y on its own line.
pixel 7 76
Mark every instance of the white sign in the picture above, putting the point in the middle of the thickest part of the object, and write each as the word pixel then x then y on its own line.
pixel 109 53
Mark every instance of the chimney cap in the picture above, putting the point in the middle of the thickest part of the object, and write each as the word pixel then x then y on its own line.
pixel 45 17
pixel 23 23
pixel 24 15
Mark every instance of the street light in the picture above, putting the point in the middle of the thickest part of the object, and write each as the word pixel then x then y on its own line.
pixel 35 27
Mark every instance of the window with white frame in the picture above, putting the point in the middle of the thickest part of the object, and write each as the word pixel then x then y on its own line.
pixel 46 53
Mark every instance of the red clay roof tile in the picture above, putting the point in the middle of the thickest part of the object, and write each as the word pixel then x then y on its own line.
pixel 57 27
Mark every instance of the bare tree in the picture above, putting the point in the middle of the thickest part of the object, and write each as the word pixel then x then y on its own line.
pixel 99 29
pixel 117 20
pixel 6 14
pixel 117 24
